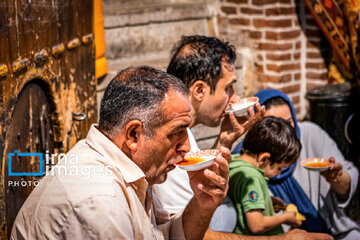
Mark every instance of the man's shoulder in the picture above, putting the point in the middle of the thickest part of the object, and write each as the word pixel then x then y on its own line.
pixel 54 203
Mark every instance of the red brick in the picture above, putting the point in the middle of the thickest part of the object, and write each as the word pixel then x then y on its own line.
pixel 277 57
pixel 297 76
pixel 274 79
pixel 260 68
pixel 297 56
pixel 316 65
pixel 313 85
pixel 313 55
pixel 229 10
pixel 284 78
pixel 273 67
pixel 263 2
pixel 272 46
pixel 272 23
pixel 282 35
pixel 291 66
pixel 313 33
pixel 238 1
pixel 259 57
pixel 251 10
pixel 240 21
pixel 298 45
pixel 261 77
pixel 280 11
pixel 283 67
pixel 312 75
pixel 291 88
pixel 255 34
pixel 295 99
pixel 284 1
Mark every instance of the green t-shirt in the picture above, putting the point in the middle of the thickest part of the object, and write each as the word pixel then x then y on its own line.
pixel 248 189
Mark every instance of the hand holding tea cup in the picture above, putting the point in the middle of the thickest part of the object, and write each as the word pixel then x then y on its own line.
pixel 210 185
pixel 334 173
pixel 232 127
pixel 338 178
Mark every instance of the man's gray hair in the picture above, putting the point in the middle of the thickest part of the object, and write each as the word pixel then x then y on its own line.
pixel 137 93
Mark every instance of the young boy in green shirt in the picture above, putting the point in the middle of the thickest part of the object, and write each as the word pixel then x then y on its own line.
pixel 269 146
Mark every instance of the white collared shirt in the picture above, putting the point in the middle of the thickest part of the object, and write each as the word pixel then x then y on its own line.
pixel 108 198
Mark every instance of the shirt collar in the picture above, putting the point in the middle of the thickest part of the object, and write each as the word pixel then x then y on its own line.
pixel 113 155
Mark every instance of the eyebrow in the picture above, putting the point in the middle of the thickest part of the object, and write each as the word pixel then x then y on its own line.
pixel 180 127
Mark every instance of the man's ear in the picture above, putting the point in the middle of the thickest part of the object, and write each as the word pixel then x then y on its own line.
pixel 133 131
pixel 198 90
pixel 264 158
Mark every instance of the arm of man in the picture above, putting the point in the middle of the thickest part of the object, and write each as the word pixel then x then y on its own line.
pixel 258 223
pixel 233 127
pixel 295 234
pixel 210 188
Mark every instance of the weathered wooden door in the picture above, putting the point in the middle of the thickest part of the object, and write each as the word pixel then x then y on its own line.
pixel 47 74
pixel 30 132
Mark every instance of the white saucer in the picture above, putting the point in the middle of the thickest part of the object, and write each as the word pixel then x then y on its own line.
pixel 242 106
pixel 208 156
pixel 317 169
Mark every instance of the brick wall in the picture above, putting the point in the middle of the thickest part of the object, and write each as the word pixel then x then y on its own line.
pixel 288 45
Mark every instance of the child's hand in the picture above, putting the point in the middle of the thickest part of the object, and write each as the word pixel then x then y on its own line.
pixel 291 219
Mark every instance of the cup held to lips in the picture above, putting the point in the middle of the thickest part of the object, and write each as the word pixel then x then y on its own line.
pixel 198 160
pixel 241 106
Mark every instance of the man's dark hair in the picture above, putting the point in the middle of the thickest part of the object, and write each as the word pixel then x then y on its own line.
pixel 273 102
pixel 137 93
pixel 275 136
pixel 199 58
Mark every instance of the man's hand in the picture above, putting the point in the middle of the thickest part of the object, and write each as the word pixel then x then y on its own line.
pixel 210 185
pixel 233 127
pixel 340 180
pixel 298 234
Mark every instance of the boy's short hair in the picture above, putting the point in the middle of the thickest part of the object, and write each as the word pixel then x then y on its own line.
pixel 275 136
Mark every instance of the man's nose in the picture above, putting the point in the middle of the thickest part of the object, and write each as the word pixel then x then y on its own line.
pixel 184 145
